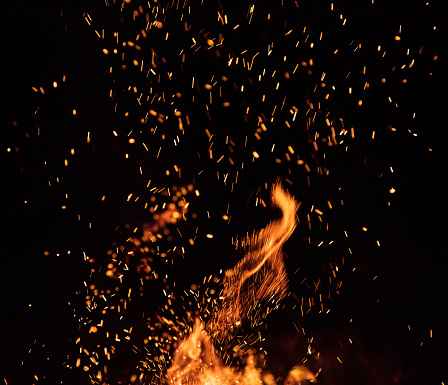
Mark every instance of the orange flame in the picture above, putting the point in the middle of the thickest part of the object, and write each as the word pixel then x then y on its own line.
pixel 259 276
pixel 196 362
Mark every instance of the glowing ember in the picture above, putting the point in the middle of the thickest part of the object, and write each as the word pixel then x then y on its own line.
pixel 144 136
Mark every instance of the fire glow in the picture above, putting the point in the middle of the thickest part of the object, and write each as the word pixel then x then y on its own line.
pixel 259 276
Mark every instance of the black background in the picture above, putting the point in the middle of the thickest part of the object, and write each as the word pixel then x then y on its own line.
pixel 42 42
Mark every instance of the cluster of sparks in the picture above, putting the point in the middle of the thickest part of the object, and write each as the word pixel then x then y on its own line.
pixel 231 92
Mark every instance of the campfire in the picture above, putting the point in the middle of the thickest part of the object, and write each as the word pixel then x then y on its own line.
pixel 160 151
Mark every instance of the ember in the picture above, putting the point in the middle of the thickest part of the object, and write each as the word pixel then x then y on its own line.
pixel 144 141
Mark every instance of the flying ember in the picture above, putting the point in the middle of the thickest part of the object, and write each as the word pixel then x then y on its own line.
pixel 156 156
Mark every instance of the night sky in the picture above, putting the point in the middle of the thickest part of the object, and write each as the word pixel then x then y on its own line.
pixel 216 101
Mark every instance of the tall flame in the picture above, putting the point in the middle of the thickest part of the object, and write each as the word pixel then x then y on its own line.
pixel 259 276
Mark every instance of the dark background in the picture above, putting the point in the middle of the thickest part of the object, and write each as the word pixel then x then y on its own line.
pixel 392 315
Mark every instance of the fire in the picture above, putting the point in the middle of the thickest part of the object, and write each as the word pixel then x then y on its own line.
pixel 196 362
pixel 259 276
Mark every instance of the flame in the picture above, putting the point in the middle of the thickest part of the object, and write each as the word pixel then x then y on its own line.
pixel 196 362
pixel 259 276
pixel 261 270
